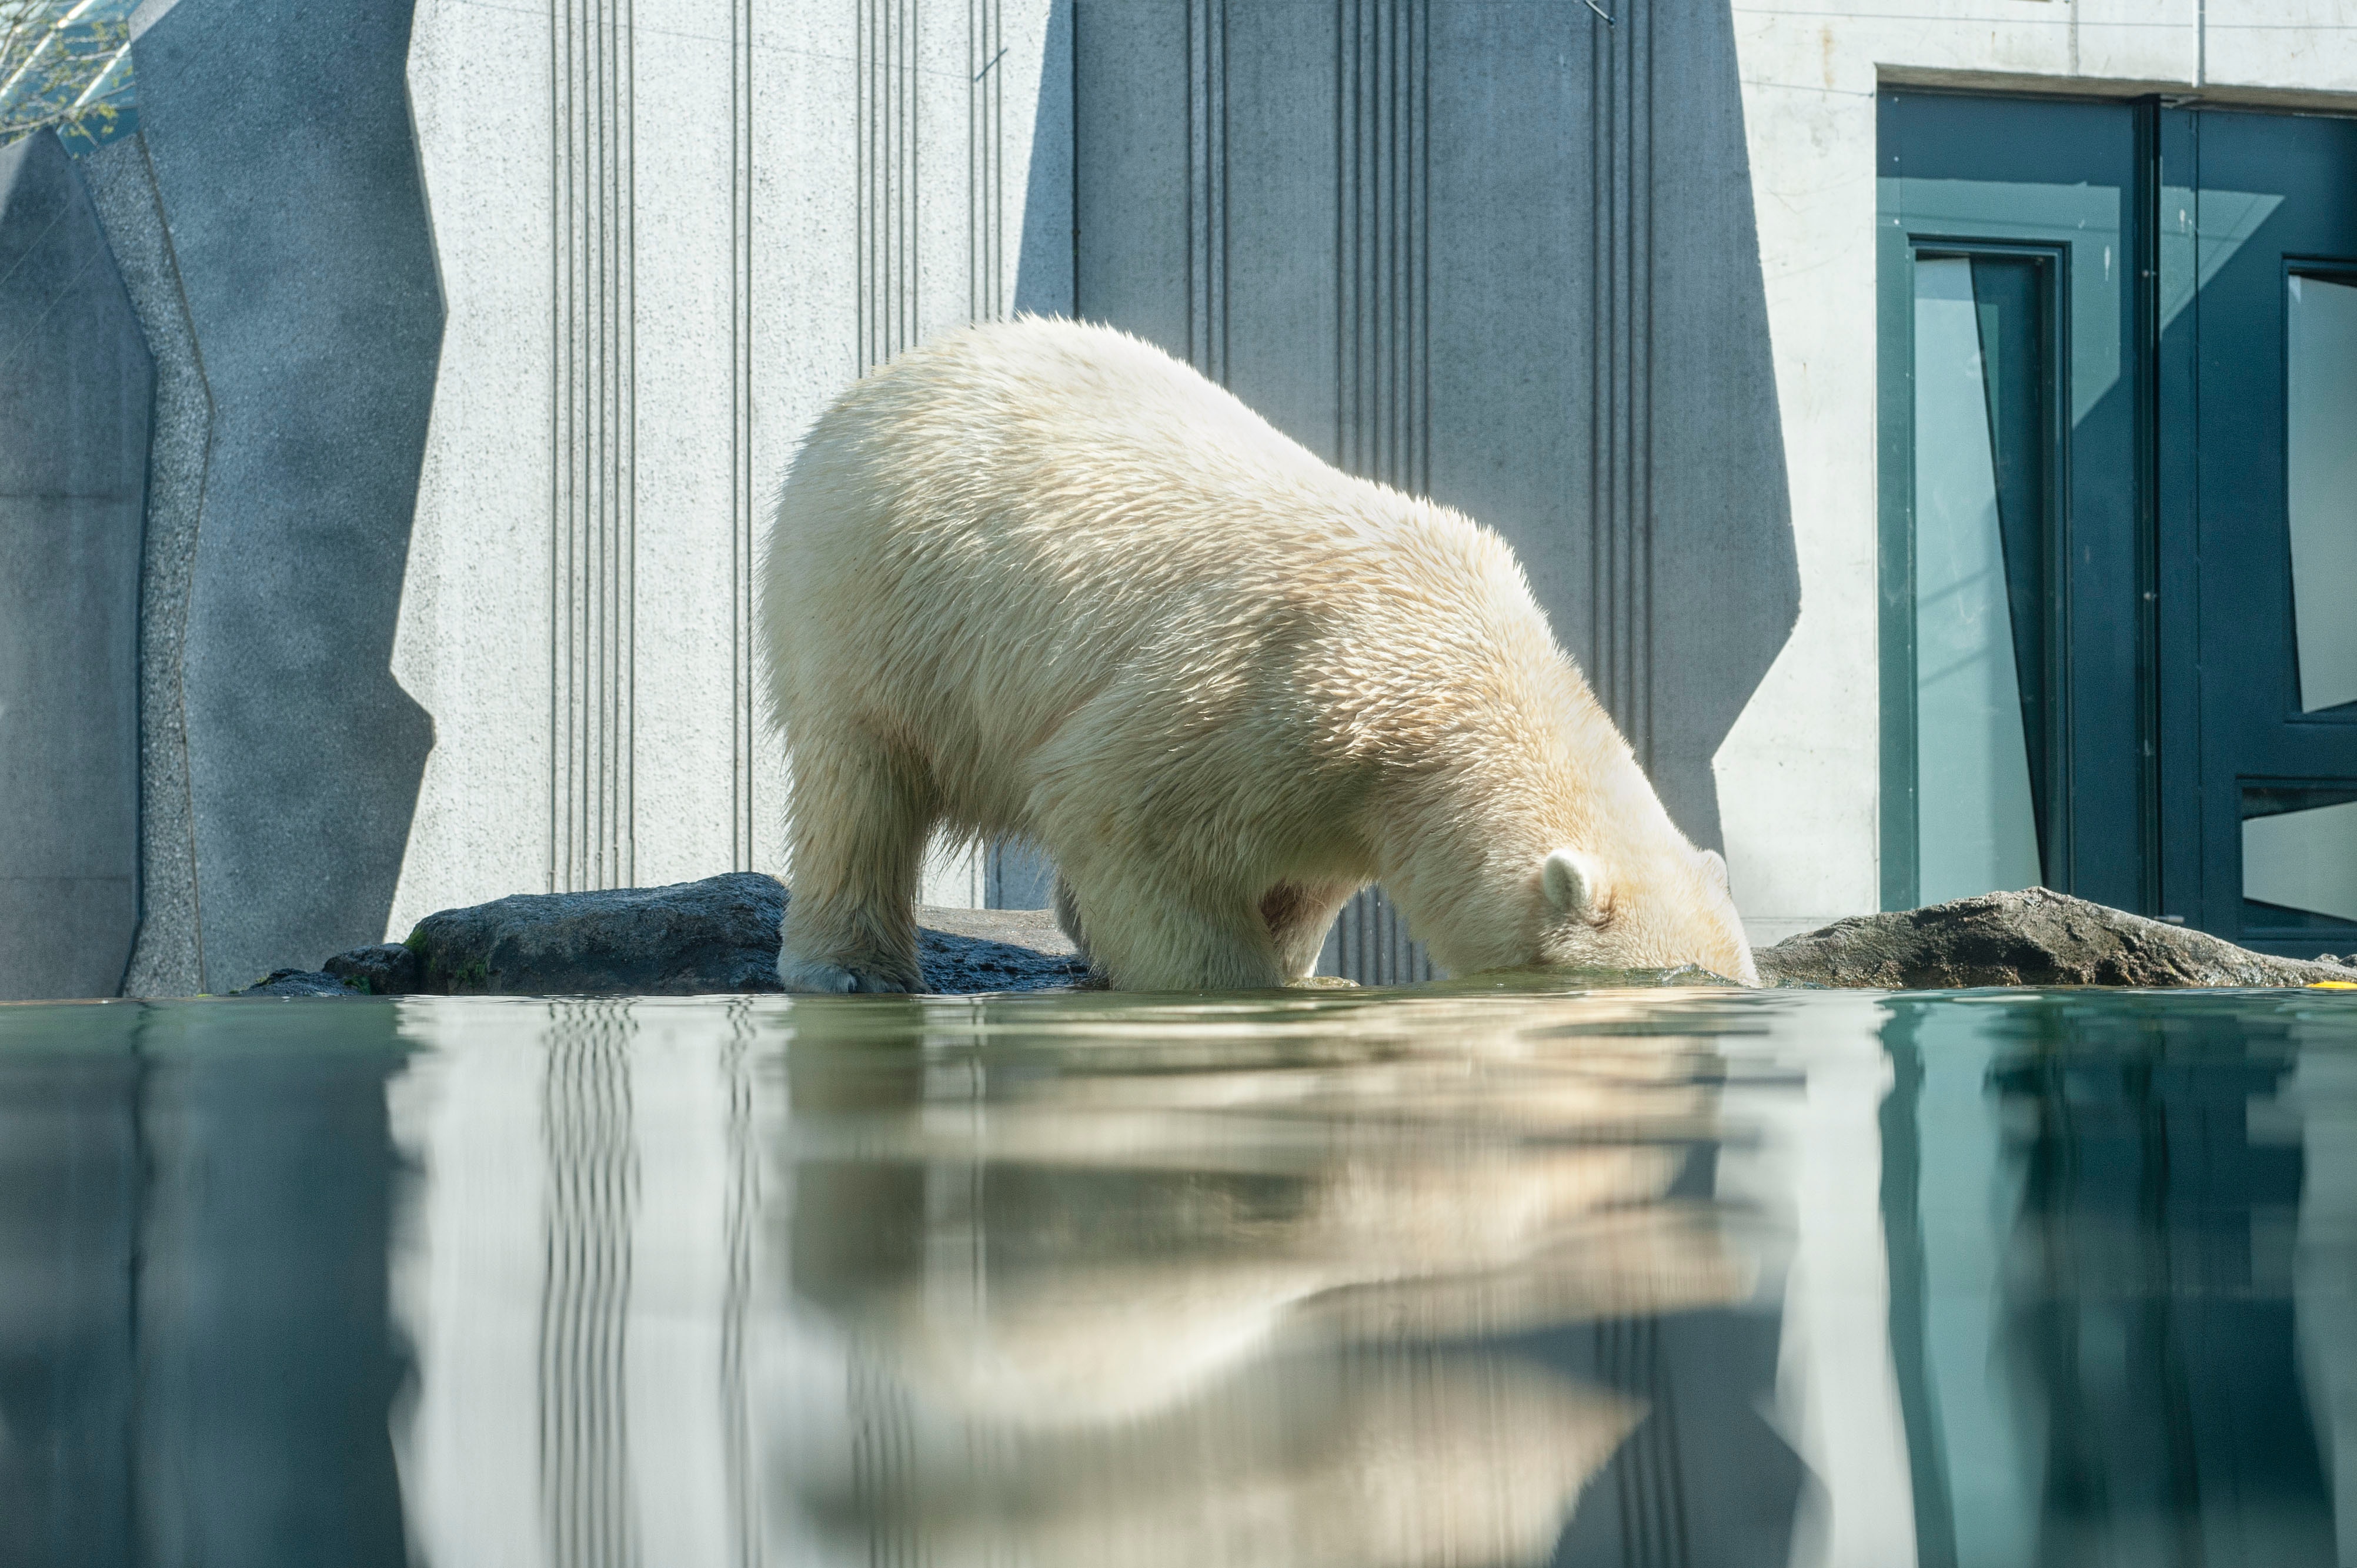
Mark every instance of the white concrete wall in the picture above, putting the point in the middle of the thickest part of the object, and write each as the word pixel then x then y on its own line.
pixel 797 82
pixel 714 120
pixel 1799 776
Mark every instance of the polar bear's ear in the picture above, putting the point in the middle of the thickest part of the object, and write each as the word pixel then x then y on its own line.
pixel 1715 864
pixel 1575 882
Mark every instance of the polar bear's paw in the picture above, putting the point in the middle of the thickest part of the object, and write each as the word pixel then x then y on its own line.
pixel 830 979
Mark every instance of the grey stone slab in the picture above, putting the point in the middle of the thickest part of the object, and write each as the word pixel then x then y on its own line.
pixel 75 391
pixel 281 140
pixel 168 958
pixel 1043 264
pixel 1276 232
pixel 1024 927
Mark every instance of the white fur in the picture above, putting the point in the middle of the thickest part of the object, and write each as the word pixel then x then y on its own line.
pixel 1038 579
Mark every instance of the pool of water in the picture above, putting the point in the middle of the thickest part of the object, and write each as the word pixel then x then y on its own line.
pixel 1638 1277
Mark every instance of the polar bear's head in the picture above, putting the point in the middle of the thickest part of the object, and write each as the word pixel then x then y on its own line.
pixel 1658 907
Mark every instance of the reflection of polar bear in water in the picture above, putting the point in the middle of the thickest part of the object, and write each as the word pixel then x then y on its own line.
pixel 1038 579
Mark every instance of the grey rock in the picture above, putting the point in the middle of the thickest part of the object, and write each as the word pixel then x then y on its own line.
pixel 297 982
pixel 2033 938
pixel 388 969
pixel 689 938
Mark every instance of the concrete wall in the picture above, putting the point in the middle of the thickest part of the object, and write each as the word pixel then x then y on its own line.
pixel 667 237
pixel 470 396
pixel 75 389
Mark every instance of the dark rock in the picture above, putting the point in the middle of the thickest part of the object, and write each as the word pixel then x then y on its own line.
pixel 296 983
pixel 692 938
pixel 388 969
pixel 2033 938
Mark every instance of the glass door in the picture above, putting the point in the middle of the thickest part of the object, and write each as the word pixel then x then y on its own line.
pixel 2015 683
pixel 2258 411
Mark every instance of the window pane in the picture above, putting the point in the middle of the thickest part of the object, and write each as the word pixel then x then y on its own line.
pixel 2321 438
pixel 2299 853
pixel 1977 826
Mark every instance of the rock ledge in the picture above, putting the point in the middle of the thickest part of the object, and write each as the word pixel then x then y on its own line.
pixel 690 938
pixel 2033 938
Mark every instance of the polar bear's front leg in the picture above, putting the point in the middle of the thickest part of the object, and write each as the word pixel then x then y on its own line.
pixel 861 818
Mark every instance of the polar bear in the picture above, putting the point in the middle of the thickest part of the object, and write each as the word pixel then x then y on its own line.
pixel 1037 579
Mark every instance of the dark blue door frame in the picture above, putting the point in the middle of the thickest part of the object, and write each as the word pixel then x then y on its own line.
pixel 2170 701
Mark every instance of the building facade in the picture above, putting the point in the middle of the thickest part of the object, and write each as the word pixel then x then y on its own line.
pixel 1927 422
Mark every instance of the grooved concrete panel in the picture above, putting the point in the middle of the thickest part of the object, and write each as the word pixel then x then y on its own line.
pixel 280 138
pixel 655 284
pixel 1503 255
pixel 1500 255
pixel 75 392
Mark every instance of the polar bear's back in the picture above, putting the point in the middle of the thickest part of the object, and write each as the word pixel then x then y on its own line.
pixel 1009 523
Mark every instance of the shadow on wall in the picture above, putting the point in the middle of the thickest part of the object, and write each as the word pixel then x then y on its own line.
pixel 1503 255
pixel 1019 875
pixel 286 181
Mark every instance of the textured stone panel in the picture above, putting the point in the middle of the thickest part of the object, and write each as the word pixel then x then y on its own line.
pixel 75 391
pixel 168 960
pixel 279 133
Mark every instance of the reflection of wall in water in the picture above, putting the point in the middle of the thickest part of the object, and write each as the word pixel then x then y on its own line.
pixel 196 1362
pixel 576 1273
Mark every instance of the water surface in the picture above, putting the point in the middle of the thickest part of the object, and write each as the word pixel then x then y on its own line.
pixel 1354 1279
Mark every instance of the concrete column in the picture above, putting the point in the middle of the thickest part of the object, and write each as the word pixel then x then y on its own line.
pixel 75 391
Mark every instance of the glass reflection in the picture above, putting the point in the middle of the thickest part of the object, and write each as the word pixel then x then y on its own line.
pixel 1976 801
pixel 2299 858
pixel 2320 451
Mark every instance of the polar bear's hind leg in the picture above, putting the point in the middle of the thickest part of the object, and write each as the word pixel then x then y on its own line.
pixel 1299 915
